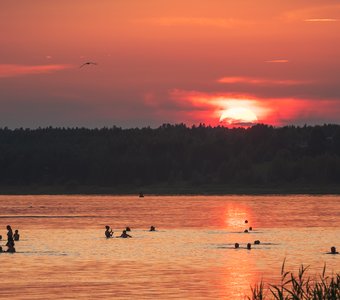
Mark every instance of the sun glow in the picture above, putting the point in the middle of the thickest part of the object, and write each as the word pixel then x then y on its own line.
pixel 239 116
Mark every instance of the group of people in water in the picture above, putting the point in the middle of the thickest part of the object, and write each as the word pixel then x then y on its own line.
pixel 109 233
pixel 11 237
pixel 257 242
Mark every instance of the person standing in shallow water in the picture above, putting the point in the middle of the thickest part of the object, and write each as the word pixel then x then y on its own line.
pixel 9 235
pixel 108 232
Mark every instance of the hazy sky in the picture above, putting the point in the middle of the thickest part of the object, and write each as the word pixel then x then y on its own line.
pixel 168 61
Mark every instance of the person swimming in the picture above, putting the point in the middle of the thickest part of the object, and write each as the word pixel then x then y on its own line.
pixel 124 235
pixel 246 221
pixel 246 231
pixel 248 246
pixel 237 245
pixel 257 242
pixel 250 228
pixel 16 235
pixel 333 251
pixel 152 228
pixel 108 232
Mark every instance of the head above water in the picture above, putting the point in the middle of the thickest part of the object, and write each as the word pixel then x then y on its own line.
pixel 237 245
pixel 9 227
pixel 249 246
pixel 107 227
pixel 333 249
pixel 257 242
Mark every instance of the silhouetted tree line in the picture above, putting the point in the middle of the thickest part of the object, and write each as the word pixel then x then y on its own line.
pixel 170 154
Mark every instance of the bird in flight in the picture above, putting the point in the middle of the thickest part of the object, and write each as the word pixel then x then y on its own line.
pixel 88 63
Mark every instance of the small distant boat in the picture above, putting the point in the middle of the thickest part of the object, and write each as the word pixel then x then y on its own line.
pixel 141 195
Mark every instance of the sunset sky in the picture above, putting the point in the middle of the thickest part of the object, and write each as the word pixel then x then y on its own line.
pixel 162 61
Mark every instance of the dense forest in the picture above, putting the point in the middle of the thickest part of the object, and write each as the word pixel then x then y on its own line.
pixel 170 156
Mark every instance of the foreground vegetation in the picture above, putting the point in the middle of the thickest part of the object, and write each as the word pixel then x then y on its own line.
pixel 299 287
pixel 171 159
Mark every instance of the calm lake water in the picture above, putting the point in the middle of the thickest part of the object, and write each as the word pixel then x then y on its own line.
pixel 63 253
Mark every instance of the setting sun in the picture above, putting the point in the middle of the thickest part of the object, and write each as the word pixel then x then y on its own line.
pixel 238 116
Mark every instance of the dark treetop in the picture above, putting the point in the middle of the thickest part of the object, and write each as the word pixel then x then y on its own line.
pixel 170 155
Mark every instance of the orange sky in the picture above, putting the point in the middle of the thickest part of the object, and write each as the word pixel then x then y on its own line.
pixel 163 61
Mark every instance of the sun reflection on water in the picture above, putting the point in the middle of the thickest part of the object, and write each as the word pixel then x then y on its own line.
pixel 236 216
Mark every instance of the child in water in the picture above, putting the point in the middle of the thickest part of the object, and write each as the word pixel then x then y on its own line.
pixel 16 235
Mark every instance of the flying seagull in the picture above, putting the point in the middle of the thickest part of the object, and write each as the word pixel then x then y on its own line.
pixel 88 63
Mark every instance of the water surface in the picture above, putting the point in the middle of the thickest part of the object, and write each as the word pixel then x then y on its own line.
pixel 63 254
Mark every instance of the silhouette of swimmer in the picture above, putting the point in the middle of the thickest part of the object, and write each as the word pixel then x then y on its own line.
pixel 246 230
pixel 250 228
pixel 128 229
pixel 108 232
pixel 248 246
pixel 246 221
pixel 124 235
pixel 237 245
pixel 257 242
pixel 152 228
pixel 9 235
pixel 16 235
pixel 333 251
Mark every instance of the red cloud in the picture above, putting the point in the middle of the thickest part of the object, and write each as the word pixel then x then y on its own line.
pixel 259 81
pixel 13 70
pixel 208 107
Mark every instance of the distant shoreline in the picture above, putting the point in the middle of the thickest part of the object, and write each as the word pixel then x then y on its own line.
pixel 172 190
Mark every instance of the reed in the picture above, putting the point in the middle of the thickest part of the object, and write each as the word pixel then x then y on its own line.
pixel 299 287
